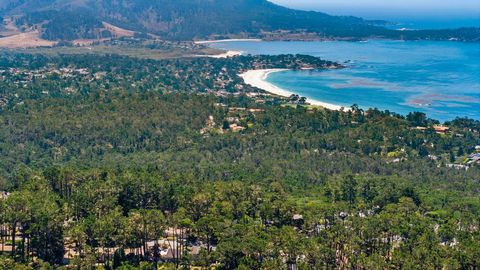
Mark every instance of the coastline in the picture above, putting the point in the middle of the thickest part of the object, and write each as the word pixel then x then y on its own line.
pixel 226 54
pixel 258 78
pixel 227 40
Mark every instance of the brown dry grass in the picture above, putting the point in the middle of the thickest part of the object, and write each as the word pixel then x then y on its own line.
pixel 25 40
pixel 117 31
pixel 88 42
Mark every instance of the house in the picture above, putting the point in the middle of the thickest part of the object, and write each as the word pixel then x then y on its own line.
pixel 474 158
pixel 252 95
pixel 195 250
pixel 232 119
pixel 441 129
pixel 220 105
pixel 297 217
pixel 169 254
pixel 236 128
pixel 256 110
pixel 457 166
pixel 236 109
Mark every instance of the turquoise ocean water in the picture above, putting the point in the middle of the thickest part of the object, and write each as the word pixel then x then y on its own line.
pixel 441 79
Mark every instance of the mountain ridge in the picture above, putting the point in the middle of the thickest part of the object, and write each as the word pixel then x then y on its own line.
pixel 197 19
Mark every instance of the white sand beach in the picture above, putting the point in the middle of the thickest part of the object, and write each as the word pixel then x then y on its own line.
pixel 226 54
pixel 257 78
pixel 222 55
pixel 227 40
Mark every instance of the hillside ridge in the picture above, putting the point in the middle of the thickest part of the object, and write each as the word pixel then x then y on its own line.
pixel 67 20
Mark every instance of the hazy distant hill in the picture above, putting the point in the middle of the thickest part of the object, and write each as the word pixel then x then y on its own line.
pixel 182 19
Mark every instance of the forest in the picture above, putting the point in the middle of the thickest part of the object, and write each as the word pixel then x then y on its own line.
pixel 112 162
pixel 186 20
pixel 80 25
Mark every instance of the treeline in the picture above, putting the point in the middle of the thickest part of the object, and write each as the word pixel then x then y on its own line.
pixel 99 125
pixel 110 173
pixel 119 218
pixel 135 170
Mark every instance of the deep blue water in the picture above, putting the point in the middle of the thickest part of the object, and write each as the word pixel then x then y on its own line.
pixel 424 14
pixel 441 79
pixel 435 23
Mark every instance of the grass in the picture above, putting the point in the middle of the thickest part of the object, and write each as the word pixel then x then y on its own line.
pixel 138 52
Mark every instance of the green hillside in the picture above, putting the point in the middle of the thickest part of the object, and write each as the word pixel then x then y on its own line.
pixel 200 19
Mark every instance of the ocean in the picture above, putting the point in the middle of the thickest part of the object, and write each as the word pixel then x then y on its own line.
pixel 433 23
pixel 441 79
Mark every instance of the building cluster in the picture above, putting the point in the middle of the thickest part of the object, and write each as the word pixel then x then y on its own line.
pixel 237 119
pixel 171 248
pixel 27 75
pixel 472 159
pixel 439 129
pixel 23 82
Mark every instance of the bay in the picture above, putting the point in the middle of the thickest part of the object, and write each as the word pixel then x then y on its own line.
pixel 441 79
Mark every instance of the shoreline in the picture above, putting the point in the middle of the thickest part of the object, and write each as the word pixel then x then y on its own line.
pixel 227 40
pixel 227 54
pixel 258 78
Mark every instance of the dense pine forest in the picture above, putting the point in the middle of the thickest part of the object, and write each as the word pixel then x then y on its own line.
pixel 112 162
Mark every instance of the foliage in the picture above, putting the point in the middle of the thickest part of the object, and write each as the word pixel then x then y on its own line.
pixel 103 173
pixel 189 19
